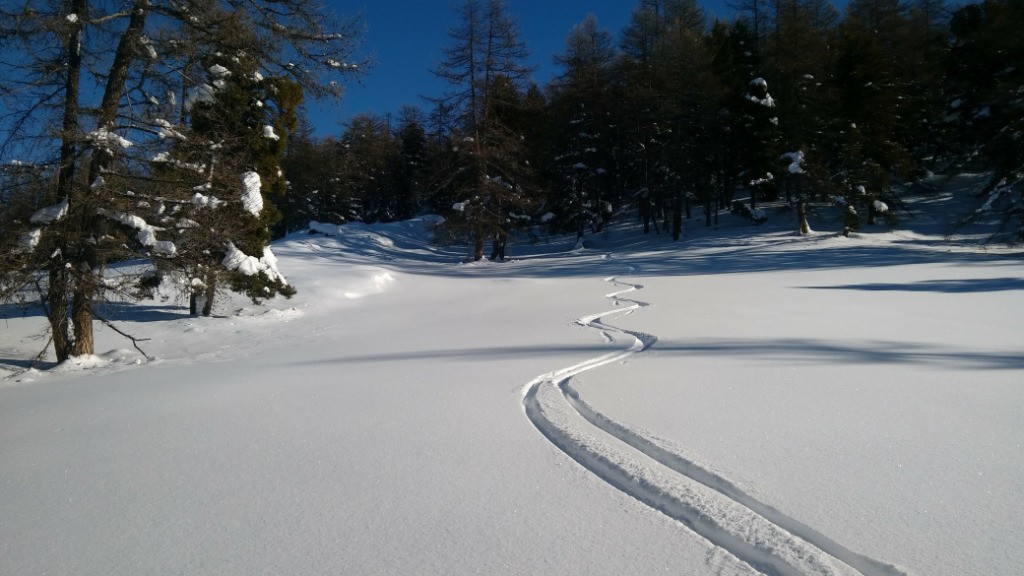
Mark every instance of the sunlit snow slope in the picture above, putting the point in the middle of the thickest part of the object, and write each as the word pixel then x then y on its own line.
pixel 743 402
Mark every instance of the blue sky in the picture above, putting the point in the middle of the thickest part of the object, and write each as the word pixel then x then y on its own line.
pixel 405 38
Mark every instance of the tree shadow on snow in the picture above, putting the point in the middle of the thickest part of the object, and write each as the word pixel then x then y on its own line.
pixel 953 286
pixel 790 351
pixel 19 364
pixel 141 312
pixel 797 350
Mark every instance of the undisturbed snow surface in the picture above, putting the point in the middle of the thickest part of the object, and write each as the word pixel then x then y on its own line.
pixel 819 405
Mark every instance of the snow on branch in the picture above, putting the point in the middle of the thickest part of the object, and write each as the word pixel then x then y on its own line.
pixel 147 233
pixel 796 161
pixel 760 86
pixel 252 200
pixel 105 139
pixel 28 241
pixel 235 259
pixel 50 213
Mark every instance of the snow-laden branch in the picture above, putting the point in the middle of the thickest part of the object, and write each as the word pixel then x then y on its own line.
pixel 146 232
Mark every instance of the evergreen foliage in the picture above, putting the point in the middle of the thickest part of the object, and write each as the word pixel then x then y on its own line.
pixel 677 112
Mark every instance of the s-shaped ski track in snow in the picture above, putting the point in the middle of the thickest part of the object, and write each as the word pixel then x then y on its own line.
pixel 764 538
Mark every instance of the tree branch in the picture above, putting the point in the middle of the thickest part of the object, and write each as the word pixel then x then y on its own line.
pixel 135 341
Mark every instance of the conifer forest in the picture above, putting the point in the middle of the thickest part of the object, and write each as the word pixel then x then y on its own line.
pixel 175 131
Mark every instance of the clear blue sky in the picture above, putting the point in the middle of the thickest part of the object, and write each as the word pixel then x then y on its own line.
pixel 405 38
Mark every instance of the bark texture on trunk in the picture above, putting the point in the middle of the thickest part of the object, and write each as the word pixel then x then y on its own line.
pixel 478 245
pixel 57 313
pixel 59 285
pixel 81 311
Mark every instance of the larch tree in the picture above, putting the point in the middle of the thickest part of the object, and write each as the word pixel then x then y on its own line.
pixel 684 60
pixel 411 163
pixel 91 90
pixel 484 67
pixel 985 103
pixel 759 128
pixel 583 129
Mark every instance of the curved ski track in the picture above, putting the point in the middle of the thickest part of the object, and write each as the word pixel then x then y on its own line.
pixel 752 531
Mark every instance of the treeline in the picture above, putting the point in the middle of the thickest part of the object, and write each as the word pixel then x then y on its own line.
pixel 790 100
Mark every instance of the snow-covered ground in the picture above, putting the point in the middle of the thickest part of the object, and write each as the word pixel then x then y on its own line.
pixel 744 401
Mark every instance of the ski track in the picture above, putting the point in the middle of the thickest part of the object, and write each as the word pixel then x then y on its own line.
pixel 759 535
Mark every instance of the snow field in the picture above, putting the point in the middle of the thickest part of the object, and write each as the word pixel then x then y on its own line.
pixel 844 404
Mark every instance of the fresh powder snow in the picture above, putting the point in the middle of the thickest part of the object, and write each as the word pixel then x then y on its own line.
pixel 747 401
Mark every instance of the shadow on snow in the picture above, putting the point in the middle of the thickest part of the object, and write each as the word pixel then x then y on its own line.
pixel 778 350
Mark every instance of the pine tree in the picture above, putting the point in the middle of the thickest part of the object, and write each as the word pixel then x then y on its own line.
pixel 238 132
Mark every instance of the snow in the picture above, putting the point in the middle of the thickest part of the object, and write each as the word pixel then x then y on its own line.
pixel 768 177
pixel 745 400
pixel 761 85
pixel 796 161
pixel 235 259
pixel 203 201
pixel 106 139
pixel 167 130
pixel 147 44
pixel 268 132
pixel 29 240
pixel 146 232
pixel 252 200
pixel 50 214
pixel 341 65
pixel 218 71
pixel 200 93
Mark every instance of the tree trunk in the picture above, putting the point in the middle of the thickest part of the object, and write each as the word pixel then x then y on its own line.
pixel 59 287
pixel 81 314
pixel 710 201
pixel 57 313
pixel 677 214
pixel 69 125
pixel 478 244
pixel 85 256
pixel 801 215
pixel 210 291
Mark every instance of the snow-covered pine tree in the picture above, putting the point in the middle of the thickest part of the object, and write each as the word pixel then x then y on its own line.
pixel 226 162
